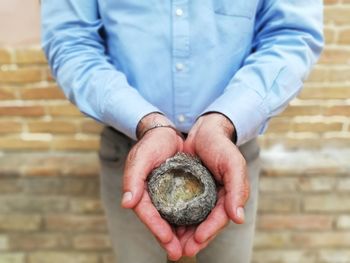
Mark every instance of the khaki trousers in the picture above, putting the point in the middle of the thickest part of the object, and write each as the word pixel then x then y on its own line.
pixel 131 240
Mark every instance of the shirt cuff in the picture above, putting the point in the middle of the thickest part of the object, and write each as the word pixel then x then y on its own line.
pixel 124 111
pixel 244 107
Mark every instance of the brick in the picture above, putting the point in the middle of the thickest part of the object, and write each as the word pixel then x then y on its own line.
pixel 341 142
pixel 325 93
pixel 38 241
pixel 281 163
pixel 330 2
pixel 322 240
pixel 59 257
pixel 284 256
pixel 25 111
pixel 86 205
pixel 343 222
pixel 80 164
pixel 319 75
pixel 335 56
pixel 336 15
pixel 271 240
pixel 66 110
pixel 315 143
pixel 81 144
pixel 330 35
pixel 30 56
pixel 9 185
pixel 54 126
pixel 302 110
pixel 31 204
pixel 343 185
pixel 12 258
pixel 41 93
pixel 7 93
pixel 295 222
pixel 320 184
pixel 316 127
pixel 41 170
pixel 8 126
pixel 92 242
pixel 343 110
pixel 278 203
pixel 21 75
pixel 340 74
pixel 3 243
pixel 344 37
pixel 60 186
pixel 19 222
pixel 91 126
pixel 326 203
pixel 279 125
pixel 76 223
pixel 283 185
pixel 17 143
pixel 5 56
pixel 333 255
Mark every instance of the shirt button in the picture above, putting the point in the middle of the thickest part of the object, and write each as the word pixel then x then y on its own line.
pixel 181 118
pixel 179 66
pixel 179 12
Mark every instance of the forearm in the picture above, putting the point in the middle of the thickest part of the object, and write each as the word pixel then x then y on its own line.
pixel 287 43
pixel 77 56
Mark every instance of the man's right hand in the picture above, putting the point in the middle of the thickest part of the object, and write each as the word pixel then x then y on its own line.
pixel 149 152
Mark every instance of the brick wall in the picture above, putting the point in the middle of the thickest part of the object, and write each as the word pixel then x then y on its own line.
pixel 49 187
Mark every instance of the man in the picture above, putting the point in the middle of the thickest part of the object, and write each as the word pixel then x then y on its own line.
pixel 215 70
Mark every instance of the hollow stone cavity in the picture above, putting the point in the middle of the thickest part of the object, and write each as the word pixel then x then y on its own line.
pixel 182 190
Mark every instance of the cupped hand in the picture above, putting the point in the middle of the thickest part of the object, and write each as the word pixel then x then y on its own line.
pixel 210 140
pixel 149 152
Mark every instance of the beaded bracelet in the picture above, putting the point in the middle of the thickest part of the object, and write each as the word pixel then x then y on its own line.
pixel 159 125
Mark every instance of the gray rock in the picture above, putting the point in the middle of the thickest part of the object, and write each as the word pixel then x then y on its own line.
pixel 182 190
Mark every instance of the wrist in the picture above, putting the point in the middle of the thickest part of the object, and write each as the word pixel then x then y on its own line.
pixel 150 122
pixel 223 124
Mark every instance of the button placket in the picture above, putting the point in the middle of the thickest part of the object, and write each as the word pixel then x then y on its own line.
pixel 181 53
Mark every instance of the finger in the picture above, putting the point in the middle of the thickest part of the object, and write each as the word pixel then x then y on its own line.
pixel 192 247
pixel 215 221
pixel 237 191
pixel 149 215
pixel 173 249
pixel 187 235
pixel 137 167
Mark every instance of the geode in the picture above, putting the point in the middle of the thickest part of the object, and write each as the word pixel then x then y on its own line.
pixel 182 190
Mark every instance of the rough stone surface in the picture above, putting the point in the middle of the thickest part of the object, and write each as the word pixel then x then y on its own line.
pixel 183 190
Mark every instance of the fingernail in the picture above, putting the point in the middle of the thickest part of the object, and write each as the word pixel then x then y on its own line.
pixel 127 196
pixel 240 213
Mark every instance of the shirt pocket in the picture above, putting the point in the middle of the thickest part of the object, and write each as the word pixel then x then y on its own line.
pixel 238 8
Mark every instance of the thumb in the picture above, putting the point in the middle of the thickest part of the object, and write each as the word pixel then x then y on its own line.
pixel 137 167
pixel 237 193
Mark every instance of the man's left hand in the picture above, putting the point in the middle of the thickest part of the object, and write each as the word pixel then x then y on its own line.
pixel 210 140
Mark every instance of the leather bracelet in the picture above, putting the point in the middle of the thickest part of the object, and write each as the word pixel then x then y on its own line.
pixel 159 125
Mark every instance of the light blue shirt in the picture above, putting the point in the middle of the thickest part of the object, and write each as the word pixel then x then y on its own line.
pixel 119 60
